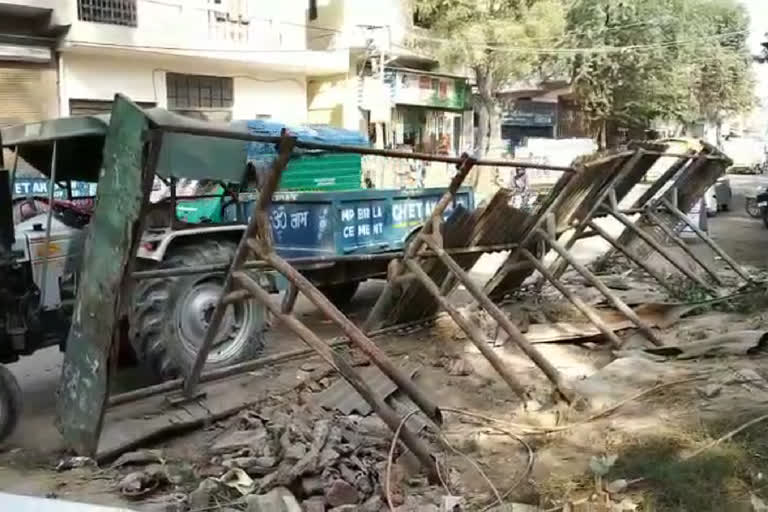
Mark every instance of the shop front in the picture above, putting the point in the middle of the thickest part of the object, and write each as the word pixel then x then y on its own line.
pixel 430 111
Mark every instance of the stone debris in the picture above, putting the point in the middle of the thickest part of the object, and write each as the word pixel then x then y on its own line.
pixel 75 462
pixel 279 499
pixel 288 457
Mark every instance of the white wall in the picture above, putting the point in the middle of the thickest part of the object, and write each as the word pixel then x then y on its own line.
pixel 347 16
pixel 100 77
pixel 185 23
pixel 284 98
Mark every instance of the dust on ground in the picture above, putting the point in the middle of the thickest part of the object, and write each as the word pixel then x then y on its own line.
pixel 654 452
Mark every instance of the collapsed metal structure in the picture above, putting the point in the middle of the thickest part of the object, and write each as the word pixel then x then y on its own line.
pixel 436 260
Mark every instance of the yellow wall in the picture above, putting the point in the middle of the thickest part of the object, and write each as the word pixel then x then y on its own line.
pixel 333 100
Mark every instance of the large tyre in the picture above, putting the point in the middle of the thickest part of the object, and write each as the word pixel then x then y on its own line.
pixel 170 316
pixel 10 403
pixel 340 294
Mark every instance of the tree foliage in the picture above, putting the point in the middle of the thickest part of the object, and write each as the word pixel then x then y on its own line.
pixel 682 60
pixel 629 61
pixel 476 35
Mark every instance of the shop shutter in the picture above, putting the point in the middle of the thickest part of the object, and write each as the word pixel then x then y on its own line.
pixel 22 99
pixel 93 107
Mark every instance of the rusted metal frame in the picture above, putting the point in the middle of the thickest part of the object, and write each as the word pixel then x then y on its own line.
pixel 585 309
pixel 341 365
pixel 360 150
pixel 247 366
pixel 656 186
pixel 619 304
pixel 534 223
pixel 358 338
pixel 501 319
pixel 626 251
pixel 413 247
pixel 683 155
pixel 655 245
pixel 289 300
pixel 472 331
pixel 707 239
pixel 241 254
pixel 298 262
pixel 654 219
pixel 235 296
pixel 558 267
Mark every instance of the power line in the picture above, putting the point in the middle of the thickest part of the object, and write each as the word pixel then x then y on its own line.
pixel 576 51
pixel 212 50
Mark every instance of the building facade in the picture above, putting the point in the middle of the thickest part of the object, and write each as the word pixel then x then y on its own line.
pixel 210 59
pixel 389 91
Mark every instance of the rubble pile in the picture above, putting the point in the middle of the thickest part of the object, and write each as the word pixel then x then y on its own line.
pixel 327 462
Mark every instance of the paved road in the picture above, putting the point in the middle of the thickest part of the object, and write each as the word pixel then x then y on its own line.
pixel 743 237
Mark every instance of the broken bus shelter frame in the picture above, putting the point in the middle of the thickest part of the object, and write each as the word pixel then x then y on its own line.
pixel 256 240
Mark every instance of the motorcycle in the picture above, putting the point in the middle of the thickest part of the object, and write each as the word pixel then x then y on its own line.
pixel 762 204
pixel 752 205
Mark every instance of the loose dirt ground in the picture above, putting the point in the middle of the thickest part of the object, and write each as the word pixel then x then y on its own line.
pixel 650 436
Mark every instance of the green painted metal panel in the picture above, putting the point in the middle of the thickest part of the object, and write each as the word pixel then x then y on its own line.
pixel 330 171
pixel 113 237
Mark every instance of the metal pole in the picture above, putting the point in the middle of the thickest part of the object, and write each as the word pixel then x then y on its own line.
pixel 247 366
pixel 289 300
pixel 707 239
pixel 337 361
pixel 657 185
pixel 360 150
pixel 298 262
pixel 587 310
pixel 604 290
pixel 661 250
pixel 558 267
pixel 654 219
pixel 384 302
pixel 15 168
pixel 532 225
pixel 273 179
pixel 472 331
pixel 48 222
pixel 360 340
pixel 505 323
pixel 664 178
pixel 663 281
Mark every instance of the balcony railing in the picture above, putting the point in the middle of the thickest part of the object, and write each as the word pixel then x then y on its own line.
pixel 192 24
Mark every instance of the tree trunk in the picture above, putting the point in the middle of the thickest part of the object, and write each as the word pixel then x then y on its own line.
pixel 481 139
pixel 719 134
pixel 602 139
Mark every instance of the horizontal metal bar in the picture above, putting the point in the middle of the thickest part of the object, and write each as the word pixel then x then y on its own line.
pixel 255 364
pixel 360 150
pixel 261 265
pixel 683 155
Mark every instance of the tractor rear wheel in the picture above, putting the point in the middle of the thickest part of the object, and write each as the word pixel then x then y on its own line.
pixel 171 315
pixel 10 403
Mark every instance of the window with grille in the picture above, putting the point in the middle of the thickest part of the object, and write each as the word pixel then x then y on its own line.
pixel 114 12
pixel 199 92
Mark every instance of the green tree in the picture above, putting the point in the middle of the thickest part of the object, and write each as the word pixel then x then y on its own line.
pixel 637 61
pixel 479 36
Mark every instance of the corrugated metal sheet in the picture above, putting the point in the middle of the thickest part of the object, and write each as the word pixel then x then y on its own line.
pixel 343 398
pixel 692 182
pixel 497 223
